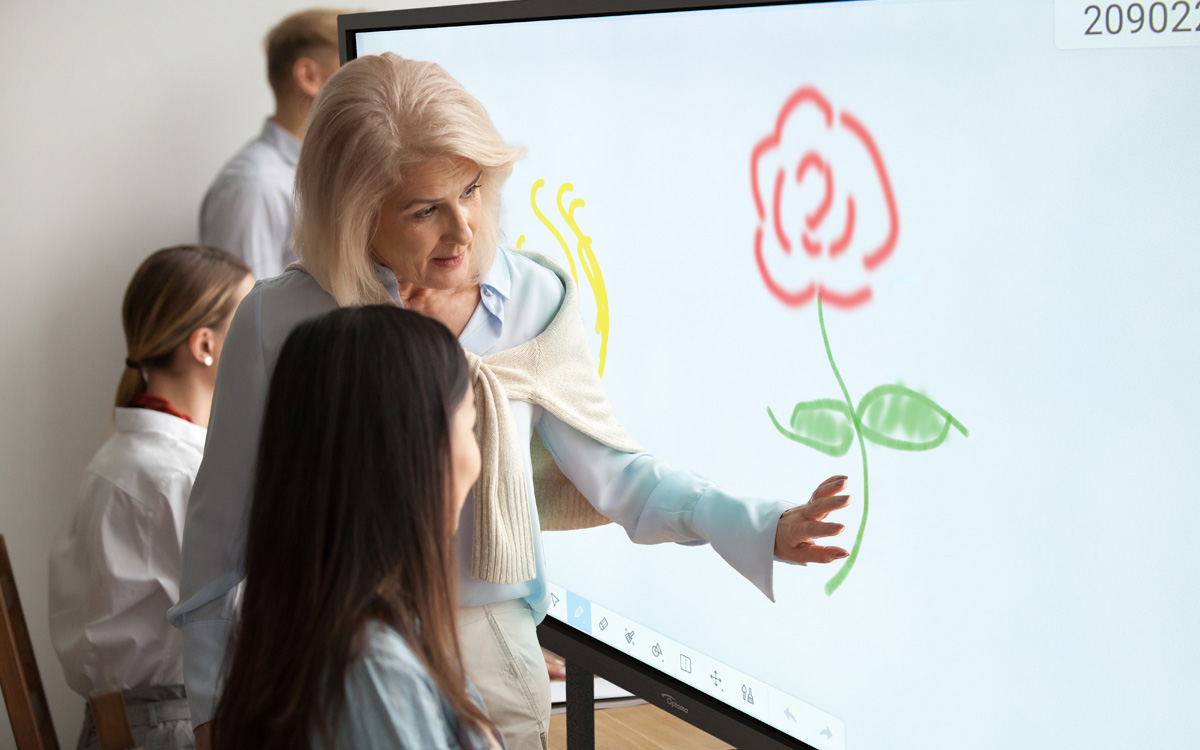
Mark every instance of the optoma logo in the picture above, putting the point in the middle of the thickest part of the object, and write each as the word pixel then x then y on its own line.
pixel 674 703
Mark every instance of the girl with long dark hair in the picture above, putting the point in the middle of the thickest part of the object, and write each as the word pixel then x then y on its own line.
pixel 347 633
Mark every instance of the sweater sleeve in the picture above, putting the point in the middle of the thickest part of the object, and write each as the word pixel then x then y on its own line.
pixel 655 503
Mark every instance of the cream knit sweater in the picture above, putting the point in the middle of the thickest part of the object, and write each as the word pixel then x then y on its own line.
pixel 556 371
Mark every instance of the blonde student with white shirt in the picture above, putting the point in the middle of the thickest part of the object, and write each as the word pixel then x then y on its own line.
pixel 115 561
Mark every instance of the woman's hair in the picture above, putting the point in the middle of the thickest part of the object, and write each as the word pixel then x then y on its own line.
pixel 350 523
pixel 374 119
pixel 174 292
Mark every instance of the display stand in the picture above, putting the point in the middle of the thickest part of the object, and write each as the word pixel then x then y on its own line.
pixel 581 708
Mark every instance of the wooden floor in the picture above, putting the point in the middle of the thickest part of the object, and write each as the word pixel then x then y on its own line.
pixel 636 728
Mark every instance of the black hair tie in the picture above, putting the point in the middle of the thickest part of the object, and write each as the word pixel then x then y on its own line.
pixel 132 365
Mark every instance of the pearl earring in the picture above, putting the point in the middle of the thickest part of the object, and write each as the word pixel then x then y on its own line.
pixel 207 360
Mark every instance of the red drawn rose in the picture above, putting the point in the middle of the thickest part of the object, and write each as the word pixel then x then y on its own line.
pixel 826 213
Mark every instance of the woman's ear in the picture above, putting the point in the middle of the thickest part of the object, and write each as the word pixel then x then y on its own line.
pixel 202 346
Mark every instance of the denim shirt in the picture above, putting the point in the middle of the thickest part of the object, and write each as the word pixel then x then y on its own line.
pixel 392 701
pixel 652 501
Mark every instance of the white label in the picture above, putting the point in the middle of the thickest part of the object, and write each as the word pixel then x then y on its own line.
pixel 1080 24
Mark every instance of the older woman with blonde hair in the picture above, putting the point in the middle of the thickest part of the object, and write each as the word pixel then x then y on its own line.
pixel 398 193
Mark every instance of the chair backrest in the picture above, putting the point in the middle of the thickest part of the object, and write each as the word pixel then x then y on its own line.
pixel 28 711
pixel 112 721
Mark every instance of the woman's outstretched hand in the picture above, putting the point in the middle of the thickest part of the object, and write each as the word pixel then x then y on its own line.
pixel 800 526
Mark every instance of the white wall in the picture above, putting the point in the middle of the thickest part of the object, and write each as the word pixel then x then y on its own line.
pixel 114 118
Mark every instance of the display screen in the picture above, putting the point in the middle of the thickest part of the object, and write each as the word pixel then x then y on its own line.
pixel 949 249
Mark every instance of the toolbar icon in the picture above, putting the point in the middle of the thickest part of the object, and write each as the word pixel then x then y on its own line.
pixel 787 714
pixel 554 600
pixel 716 678
pixel 603 623
pixel 685 663
pixel 579 612
pixel 656 650
pixel 826 733
pixel 748 695
pixel 629 636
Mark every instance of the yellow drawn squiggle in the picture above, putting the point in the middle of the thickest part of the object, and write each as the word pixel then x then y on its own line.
pixel 587 258
pixel 553 230
pixel 591 269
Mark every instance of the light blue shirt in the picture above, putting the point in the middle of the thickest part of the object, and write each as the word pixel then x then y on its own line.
pixel 248 209
pixel 392 701
pixel 518 298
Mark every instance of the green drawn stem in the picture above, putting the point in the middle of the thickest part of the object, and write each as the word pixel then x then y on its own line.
pixel 844 571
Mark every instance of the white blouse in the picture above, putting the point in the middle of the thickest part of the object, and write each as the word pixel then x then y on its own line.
pixel 115 561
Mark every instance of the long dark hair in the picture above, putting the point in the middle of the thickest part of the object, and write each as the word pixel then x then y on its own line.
pixel 350 523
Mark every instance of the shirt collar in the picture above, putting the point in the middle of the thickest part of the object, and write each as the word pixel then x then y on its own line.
pixel 385 276
pixel 495 287
pixel 148 420
pixel 499 277
pixel 287 144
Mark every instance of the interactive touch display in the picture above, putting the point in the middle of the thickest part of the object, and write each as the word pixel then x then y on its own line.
pixel 950 249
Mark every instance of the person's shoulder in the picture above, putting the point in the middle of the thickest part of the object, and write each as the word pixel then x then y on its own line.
pixel 391 699
pixel 387 664
pixel 257 168
pixel 142 468
pixel 383 645
pixel 293 294
pixel 281 302
pixel 533 274
pixel 537 290
pixel 255 159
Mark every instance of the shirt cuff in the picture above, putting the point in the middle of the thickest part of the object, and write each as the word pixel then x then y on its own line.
pixel 203 654
pixel 742 531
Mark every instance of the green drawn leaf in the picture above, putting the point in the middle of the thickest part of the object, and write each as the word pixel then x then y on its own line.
pixel 825 425
pixel 898 417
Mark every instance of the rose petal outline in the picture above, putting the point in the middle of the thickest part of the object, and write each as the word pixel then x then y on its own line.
pixel 870 261
pixel 796 299
pixel 804 94
pixel 881 253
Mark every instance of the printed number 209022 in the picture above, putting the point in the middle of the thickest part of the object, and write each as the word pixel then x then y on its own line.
pixel 1136 18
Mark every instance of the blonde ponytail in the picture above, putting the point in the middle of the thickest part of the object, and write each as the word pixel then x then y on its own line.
pixel 133 382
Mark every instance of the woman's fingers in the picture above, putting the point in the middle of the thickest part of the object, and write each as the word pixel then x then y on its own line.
pixel 814 553
pixel 818 529
pixel 799 526
pixel 800 534
pixel 817 509
pixel 830 486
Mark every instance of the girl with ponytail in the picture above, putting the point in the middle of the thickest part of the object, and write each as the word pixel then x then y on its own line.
pixel 115 561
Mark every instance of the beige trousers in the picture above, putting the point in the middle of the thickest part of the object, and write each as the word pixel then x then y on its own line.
pixel 503 658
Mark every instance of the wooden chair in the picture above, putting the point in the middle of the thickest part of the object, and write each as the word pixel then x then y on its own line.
pixel 112 721
pixel 28 711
